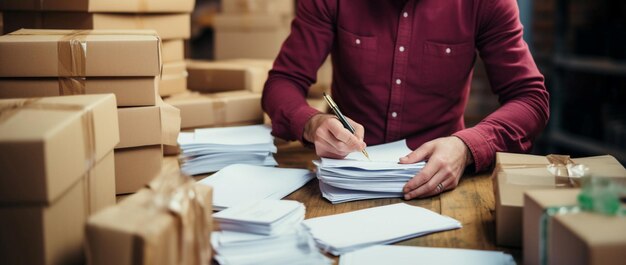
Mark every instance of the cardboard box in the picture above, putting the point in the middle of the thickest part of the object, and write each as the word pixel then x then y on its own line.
pixel 173 50
pixel 174 79
pixel 137 232
pixel 220 76
pixel 53 233
pixel 40 234
pixel 258 6
pixel 250 36
pixel 136 167
pixel 572 238
pixel 168 26
pixel 52 53
pixel 518 173
pixel 129 91
pixel 46 143
pixel 218 109
pixel 112 6
pixel 151 125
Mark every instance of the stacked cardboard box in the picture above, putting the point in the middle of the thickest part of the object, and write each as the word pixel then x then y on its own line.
pixel 569 236
pixel 126 63
pixel 57 168
pixel 518 173
pixel 171 20
pixel 145 229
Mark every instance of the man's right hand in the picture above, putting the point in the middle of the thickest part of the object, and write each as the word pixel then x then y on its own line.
pixel 331 139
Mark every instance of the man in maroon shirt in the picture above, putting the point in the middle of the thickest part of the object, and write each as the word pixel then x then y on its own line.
pixel 402 70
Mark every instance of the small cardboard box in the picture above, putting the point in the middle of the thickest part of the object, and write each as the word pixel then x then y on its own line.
pixel 49 143
pixel 151 125
pixel 258 7
pixel 168 26
pixel 516 173
pixel 129 91
pixel 109 6
pixel 53 53
pixel 52 233
pixel 250 36
pixel 137 232
pixel 221 76
pixel 173 50
pixel 136 167
pixel 174 79
pixel 571 238
pixel 218 109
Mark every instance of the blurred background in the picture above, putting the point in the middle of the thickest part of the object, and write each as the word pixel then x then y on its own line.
pixel 579 45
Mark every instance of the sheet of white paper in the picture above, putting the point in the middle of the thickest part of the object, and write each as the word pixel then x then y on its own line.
pixel 239 183
pixel 405 255
pixel 389 152
pixel 379 225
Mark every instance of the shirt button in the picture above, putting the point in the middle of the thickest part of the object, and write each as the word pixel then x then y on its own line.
pixel 405 14
pixel 448 50
pixel 398 81
pixel 394 114
pixel 357 41
pixel 401 48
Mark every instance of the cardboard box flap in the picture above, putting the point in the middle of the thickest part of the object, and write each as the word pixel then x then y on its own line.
pixel 133 6
pixel 79 53
pixel 49 143
pixel 170 123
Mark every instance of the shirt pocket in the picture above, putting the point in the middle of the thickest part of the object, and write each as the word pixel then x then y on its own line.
pixel 357 56
pixel 445 68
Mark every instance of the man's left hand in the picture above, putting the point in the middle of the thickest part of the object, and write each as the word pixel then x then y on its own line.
pixel 447 158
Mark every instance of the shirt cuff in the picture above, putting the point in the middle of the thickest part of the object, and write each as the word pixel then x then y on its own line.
pixel 299 119
pixel 479 147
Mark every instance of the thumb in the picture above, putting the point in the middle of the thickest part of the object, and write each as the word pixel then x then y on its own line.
pixel 421 153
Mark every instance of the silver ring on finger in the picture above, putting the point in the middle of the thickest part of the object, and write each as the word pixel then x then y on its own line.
pixel 439 187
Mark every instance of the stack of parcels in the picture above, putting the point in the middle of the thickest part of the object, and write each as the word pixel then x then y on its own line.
pixel 126 63
pixel 342 233
pixel 57 169
pixel 515 174
pixel 358 178
pixel 170 19
pixel 257 29
pixel 209 150
pixel 167 224
pixel 264 232
pixel 252 29
pixel 556 231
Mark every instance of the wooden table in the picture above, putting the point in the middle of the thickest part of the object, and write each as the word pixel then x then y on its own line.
pixel 472 203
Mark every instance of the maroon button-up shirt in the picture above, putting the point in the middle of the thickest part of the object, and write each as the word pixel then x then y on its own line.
pixel 402 69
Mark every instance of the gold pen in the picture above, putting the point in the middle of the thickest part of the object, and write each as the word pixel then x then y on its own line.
pixel 342 118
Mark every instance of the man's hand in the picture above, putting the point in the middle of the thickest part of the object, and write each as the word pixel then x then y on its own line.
pixel 447 158
pixel 331 139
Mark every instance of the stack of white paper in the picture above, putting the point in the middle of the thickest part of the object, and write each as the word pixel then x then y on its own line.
pixel 357 178
pixel 265 232
pixel 404 255
pixel 209 150
pixel 265 217
pixel 239 183
pixel 346 232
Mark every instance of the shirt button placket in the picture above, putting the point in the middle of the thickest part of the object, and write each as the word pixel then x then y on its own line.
pixel 400 64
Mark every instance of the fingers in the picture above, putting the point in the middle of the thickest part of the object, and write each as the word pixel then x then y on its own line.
pixel 359 130
pixel 335 134
pixel 420 154
pixel 421 178
pixel 324 149
pixel 426 188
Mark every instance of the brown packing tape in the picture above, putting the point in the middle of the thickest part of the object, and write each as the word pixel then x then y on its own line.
pixel 72 86
pixel 8 110
pixel 73 63
pixel 561 176
pixel 219 109
pixel 72 53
